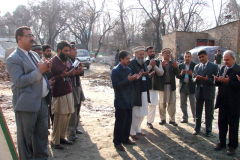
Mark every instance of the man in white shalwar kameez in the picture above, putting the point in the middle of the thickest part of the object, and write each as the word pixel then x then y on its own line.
pixel 153 83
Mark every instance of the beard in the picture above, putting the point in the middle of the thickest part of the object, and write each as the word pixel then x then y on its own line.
pixel 152 56
pixel 47 55
pixel 140 61
pixel 63 57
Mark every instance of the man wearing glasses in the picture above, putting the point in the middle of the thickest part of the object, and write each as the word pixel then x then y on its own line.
pixel 30 89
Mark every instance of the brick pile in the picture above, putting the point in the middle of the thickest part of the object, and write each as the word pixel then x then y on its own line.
pixel 3 72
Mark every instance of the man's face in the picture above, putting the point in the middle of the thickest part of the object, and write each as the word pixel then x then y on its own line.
pixel 73 52
pixel 63 54
pixel 203 58
pixel 151 53
pixel 140 56
pixel 27 40
pixel 39 52
pixel 218 52
pixel 125 61
pixel 187 57
pixel 47 53
pixel 166 55
pixel 228 60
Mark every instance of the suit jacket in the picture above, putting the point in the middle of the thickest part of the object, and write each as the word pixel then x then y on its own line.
pixel 26 82
pixel 123 88
pixel 137 84
pixel 192 85
pixel 208 86
pixel 229 94
pixel 173 72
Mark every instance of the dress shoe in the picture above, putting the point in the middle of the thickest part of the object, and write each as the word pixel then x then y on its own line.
pixel 129 142
pixel 230 151
pixel 219 147
pixel 79 132
pixel 162 122
pixel 184 121
pixel 134 137
pixel 72 137
pixel 173 123
pixel 141 134
pixel 64 141
pixel 195 132
pixel 150 125
pixel 119 147
pixel 57 146
pixel 208 134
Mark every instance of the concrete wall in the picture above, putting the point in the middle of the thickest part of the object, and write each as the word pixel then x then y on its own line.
pixel 226 36
pixel 180 41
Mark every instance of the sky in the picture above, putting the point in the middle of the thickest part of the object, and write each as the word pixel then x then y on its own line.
pixel 11 5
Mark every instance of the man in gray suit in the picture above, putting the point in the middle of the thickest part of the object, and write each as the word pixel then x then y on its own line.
pixel 205 91
pixel 30 89
pixel 187 86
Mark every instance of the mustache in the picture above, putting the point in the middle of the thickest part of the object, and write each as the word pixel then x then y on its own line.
pixel 33 41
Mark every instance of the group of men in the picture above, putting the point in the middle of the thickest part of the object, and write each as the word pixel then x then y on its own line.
pixel 140 85
pixel 42 86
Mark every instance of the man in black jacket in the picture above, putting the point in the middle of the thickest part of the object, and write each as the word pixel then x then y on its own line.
pixel 141 92
pixel 228 99
pixel 187 86
pixel 167 94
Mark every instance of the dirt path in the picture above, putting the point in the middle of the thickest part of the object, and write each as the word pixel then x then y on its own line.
pixel 97 121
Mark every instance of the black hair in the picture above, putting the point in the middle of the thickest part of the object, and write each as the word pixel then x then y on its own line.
pixel 62 44
pixel 148 47
pixel 19 31
pixel 123 54
pixel 187 52
pixel 202 52
pixel 46 46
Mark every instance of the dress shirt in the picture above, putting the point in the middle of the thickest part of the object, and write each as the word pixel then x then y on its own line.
pixel 186 76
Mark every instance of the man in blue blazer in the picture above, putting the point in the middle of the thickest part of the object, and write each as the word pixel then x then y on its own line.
pixel 123 100
pixel 30 89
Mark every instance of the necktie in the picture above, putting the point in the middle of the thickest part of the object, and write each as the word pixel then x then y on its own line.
pixel 35 62
pixel 225 72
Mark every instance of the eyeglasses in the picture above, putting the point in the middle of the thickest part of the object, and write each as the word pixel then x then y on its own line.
pixel 29 35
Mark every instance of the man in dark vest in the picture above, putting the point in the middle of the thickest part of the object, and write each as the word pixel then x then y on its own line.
pixel 167 94
pixel 153 64
pixel 141 91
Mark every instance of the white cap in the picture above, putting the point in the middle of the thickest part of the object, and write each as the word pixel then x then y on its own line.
pixel 138 48
pixel 166 49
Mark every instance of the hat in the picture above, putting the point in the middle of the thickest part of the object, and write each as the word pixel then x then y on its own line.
pixel 166 49
pixel 138 48
pixel 36 47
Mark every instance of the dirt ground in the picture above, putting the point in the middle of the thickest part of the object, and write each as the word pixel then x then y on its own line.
pixel 97 122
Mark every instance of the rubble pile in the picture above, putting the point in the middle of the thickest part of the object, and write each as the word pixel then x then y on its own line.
pixel 3 72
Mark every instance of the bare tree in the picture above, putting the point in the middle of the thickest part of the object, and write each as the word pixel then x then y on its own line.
pixel 108 24
pixel 156 14
pixel 83 16
pixel 50 19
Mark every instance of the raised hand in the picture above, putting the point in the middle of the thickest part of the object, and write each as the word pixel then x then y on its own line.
pixel 152 73
pixel 79 70
pixel 217 79
pixel 131 78
pixel 183 72
pixel 189 72
pixel 65 73
pixel 205 78
pixel 226 80
pixel 152 63
pixel 140 74
pixel 43 66
pixel 174 64
pixel 238 77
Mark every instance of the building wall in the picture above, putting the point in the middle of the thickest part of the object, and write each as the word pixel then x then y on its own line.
pixel 169 41
pixel 226 36
pixel 180 41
